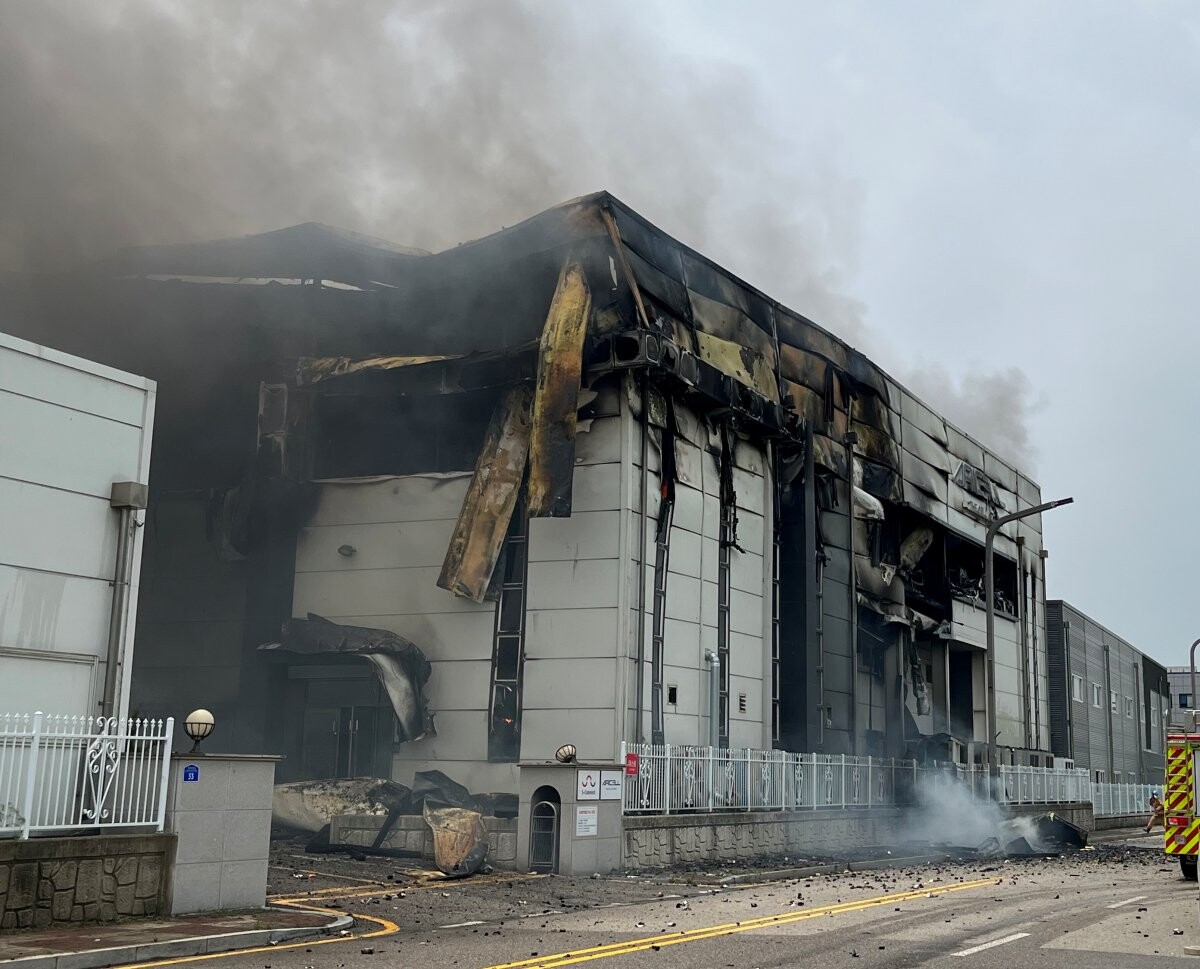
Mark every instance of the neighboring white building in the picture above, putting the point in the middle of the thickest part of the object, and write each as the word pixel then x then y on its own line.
pixel 70 430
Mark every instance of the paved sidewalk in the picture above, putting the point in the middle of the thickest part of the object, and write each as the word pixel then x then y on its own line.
pixel 140 940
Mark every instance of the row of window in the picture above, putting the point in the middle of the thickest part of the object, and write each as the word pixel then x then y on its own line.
pixel 1114 699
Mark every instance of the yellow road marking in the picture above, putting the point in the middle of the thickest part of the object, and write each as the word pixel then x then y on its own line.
pixel 325 874
pixel 715 931
pixel 397 889
pixel 386 928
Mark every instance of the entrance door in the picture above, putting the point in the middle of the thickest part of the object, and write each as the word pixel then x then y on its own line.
pixel 348 729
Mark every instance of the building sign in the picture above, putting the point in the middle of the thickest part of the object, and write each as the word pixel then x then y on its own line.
pixel 587 785
pixel 985 503
pixel 191 773
pixel 586 821
pixel 611 785
pixel 632 762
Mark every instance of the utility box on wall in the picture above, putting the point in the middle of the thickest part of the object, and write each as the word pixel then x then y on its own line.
pixel 570 817
pixel 219 807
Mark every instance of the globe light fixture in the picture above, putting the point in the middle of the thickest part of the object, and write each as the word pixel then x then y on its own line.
pixel 198 725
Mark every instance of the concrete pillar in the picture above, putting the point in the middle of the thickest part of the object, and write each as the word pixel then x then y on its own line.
pixel 219 808
pixel 589 834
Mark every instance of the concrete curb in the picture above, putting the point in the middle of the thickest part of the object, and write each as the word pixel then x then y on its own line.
pixel 837 868
pixel 175 948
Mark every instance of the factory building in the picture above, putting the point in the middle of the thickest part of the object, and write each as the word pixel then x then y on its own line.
pixel 558 485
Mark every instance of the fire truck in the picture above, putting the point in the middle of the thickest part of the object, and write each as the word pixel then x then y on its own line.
pixel 1181 816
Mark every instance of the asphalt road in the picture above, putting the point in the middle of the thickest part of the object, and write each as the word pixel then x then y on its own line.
pixel 1114 908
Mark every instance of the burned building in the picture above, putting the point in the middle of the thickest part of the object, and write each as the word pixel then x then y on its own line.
pixel 452 510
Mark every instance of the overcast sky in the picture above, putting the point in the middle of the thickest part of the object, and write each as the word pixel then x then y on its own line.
pixel 998 201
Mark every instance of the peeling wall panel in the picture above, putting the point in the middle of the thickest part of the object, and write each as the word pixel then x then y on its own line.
pixel 488 506
pixel 556 398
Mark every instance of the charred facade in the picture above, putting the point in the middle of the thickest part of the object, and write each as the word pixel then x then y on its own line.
pixel 540 477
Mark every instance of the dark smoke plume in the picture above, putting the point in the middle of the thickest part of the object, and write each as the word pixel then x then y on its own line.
pixel 425 123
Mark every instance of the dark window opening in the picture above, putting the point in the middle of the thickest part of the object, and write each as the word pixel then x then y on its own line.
pixel 965 571
pixel 672 695
pixel 508 650
pixel 359 436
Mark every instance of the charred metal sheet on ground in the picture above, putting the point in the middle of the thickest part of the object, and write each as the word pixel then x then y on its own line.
pixel 488 507
pixel 460 840
pixel 556 400
pixel 401 665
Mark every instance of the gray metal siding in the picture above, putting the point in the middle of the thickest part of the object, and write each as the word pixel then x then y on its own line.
pixel 1060 682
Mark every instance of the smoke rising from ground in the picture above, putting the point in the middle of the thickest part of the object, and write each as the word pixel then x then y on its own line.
pixel 948 814
pixel 424 123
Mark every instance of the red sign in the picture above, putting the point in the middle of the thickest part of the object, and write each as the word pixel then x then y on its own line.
pixel 631 765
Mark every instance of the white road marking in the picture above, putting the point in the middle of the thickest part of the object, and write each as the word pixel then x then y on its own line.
pixel 460 925
pixel 1128 901
pixel 991 945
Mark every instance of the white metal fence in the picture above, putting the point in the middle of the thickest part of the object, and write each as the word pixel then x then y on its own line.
pixel 1111 800
pixel 676 779
pixel 1044 785
pixel 63 773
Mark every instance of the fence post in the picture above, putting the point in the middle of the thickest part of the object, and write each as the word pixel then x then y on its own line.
pixel 31 774
pixel 843 782
pixel 667 779
pixel 869 760
pixel 169 733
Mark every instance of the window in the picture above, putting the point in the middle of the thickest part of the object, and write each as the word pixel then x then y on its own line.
pixel 1129 707
pixel 672 696
pixel 1077 688
pixel 1112 701
pixel 508 649
pixel 1098 776
pixel 1185 701
pixel 1097 693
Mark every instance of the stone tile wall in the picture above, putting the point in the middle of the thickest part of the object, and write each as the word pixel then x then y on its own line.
pixel 60 881
pixel 656 840
pixel 411 833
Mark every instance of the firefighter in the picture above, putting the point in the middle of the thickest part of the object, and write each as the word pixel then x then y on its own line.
pixel 1156 811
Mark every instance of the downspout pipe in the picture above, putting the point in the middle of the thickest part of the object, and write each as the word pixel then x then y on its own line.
pixel 714 697
pixel 989 580
pixel 126 498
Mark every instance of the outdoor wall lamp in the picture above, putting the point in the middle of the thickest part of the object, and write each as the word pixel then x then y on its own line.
pixel 565 754
pixel 198 725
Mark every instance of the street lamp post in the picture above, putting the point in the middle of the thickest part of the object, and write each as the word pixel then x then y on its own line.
pixel 989 589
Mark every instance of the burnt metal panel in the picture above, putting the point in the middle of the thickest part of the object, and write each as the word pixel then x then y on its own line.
pixel 556 398
pixel 488 507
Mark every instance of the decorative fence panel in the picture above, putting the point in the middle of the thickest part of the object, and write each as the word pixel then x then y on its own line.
pixel 677 779
pixel 61 774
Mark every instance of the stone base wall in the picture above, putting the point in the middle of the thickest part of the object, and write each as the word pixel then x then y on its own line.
pixel 61 881
pixel 1077 814
pixel 654 840
pixel 411 833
